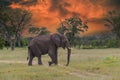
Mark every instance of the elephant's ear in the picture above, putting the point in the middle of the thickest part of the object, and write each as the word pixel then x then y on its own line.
pixel 56 39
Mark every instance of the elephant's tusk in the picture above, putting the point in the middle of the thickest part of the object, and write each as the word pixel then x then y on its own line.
pixel 69 47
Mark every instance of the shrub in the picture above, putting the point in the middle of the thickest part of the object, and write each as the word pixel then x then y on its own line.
pixel 24 42
pixel 2 43
pixel 112 43
pixel 111 59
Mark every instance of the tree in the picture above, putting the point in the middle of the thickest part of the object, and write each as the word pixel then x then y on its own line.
pixel 4 3
pixel 33 30
pixel 13 22
pixel 38 31
pixel 2 42
pixel 44 30
pixel 72 26
pixel 112 21
pixel 23 21
pixel 62 27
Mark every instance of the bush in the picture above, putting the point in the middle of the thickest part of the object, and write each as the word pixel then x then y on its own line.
pixel 86 47
pixel 2 43
pixel 112 43
pixel 111 59
pixel 95 43
pixel 24 42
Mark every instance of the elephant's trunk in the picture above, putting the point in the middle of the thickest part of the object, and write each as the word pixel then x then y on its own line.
pixel 68 57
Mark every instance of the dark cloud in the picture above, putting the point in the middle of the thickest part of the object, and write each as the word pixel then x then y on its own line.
pixel 107 3
pixel 113 2
pixel 75 13
pixel 26 3
pixel 29 3
pixel 95 20
pixel 79 15
pixel 22 2
pixel 60 6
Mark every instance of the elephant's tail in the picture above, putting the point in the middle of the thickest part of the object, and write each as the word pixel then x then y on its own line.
pixel 27 58
pixel 28 53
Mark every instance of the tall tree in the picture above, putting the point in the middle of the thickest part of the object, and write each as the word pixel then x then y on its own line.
pixel 62 27
pixel 112 21
pixel 13 22
pixel 72 26
pixel 4 3
pixel 23 18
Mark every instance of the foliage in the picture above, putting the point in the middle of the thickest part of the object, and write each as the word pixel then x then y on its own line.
pixel 111 59
pixel 2 43
pixel 62 29
pixel 39 31
pixel 71 27
pixel 4 3
pixel 112 21
pixel 33 30
pixel 24 42
pixel 12 23
pixel 101 40
pixel 113 43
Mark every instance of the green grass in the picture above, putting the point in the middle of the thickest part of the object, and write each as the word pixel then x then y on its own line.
pixel 86 64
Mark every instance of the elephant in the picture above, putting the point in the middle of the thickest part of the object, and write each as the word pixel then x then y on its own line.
pixel 48 44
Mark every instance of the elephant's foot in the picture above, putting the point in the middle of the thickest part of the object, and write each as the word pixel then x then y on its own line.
pixel 50 63
pixel 29 64
pixel 56 63
pixel 40 63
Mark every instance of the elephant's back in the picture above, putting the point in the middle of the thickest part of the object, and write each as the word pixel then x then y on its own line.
pixel 40 42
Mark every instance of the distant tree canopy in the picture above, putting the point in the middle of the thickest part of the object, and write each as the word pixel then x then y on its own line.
pixel 112 21
pixel 4 3
pixel 38 31
pixel 12 24
pixel 71 27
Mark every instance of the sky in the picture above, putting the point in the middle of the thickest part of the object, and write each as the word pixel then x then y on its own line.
pixel 49 13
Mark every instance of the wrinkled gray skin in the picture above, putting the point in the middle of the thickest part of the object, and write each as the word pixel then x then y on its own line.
pixel 48 44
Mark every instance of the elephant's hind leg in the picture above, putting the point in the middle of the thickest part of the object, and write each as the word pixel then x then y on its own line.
pixel 30 61
pixel 30 58
pixel 39 60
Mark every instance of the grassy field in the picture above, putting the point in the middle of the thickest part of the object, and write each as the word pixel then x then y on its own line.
pixel 86 64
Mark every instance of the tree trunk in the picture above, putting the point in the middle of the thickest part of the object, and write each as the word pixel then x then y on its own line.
pixel 12 44
pixel 7 44
pixel 79 40
pixel 19 43
pixel 72 39
pixel 18 38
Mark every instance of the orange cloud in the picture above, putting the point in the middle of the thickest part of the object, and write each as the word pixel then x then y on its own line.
pixel 48 12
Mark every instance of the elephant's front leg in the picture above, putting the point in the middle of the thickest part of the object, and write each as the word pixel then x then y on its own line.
pixel 39 60
pixel 53 56
pixel 54 59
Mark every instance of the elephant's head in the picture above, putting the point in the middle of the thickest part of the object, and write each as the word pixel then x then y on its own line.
pixel 62 41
